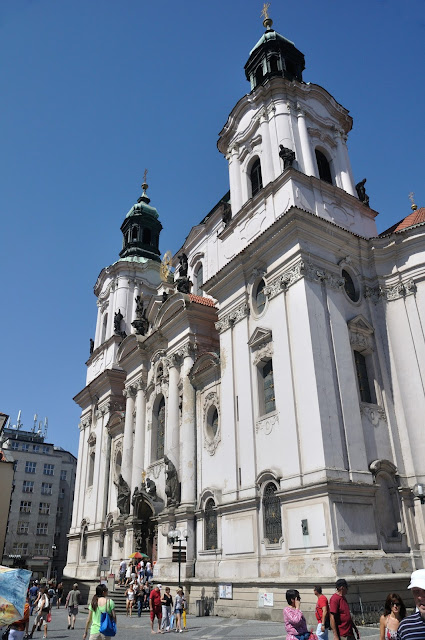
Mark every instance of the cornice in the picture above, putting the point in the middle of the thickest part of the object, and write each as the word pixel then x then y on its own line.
pixel 232 317
pixel 394 292
pixel 302 269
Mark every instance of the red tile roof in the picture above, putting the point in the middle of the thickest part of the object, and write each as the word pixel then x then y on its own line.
pixel 201 300
pixel 416 217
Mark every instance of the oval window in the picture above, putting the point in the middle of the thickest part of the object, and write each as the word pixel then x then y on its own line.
pixel 260 298
pixel 349 286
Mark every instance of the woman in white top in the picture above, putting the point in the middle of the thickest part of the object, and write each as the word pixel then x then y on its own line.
pixel 43 609
pixel 130 596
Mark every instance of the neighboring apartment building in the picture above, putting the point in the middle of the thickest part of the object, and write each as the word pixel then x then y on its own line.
pixel 41 504
pixel 6 484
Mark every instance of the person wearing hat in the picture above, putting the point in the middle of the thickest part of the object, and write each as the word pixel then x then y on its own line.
pixel 342 624
pixel 155 606
pixel 413 627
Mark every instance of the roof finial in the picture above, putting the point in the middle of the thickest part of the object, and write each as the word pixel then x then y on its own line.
pixel 144 196
pixel 412 200
pixel 267 22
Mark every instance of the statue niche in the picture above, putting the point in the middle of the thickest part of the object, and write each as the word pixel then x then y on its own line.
pixel 123 497
pixel 184 284
pixel 146 505
pixel 141 323
pixel 172 484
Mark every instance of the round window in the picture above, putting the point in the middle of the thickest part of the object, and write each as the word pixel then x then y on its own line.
pixel 259 297
pixel 212 422
pixel 350 288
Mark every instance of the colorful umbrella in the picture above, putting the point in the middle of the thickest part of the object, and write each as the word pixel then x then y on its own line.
pixel 138 556
pixel 13 592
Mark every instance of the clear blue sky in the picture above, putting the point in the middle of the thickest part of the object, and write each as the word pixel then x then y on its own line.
pixel 94 91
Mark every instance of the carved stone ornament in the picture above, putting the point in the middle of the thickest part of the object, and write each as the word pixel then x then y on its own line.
pixel 231 318
pixel 373 413
pixel 91 440
pixel 85 422
pixel 267 423
pixel 211 444
pixel 155 469
pixel 395 292
pixel 361 333
pixel 300 270
pixel 264 352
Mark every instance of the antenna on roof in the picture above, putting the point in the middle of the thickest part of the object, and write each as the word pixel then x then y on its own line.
pixel 18 422
pixel 7 425
pixel 45 427
pixel 40 427
pixel 33 430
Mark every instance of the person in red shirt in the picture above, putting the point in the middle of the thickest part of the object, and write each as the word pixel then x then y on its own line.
pixel 155 606
pixel 342 624
pixel 322 614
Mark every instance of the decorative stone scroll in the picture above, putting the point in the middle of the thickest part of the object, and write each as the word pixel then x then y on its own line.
pixel 232 317
pixel 397 291
pixel 303 270
pixel 267 423
pixel 373 413
pixel 264 352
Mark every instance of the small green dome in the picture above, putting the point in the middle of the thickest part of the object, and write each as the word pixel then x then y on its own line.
pixel 270 35
pixel 141 208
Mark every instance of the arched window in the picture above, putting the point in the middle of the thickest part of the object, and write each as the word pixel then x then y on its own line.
pixel 273 64
pixel 267 383
pixel 110 543
pixel 323 166
pixel 212 422
pixel 362 377
pixel 92 457
pixel 260 298
pixel 259 75
pixel 146 238
pixel 118 463
pixel 104 325
pixel 158 430
pixel 84 543
pixel 210 525
pixel 134 234
pixel 256 178
pixel 199 280
pixel 271 514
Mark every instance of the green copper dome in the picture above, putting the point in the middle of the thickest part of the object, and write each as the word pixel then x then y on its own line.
pixel 141 208
pixel 270 35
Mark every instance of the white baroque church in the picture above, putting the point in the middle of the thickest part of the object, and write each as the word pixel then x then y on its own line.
pixel 267 398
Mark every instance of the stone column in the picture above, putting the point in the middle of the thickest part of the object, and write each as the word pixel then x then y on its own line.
pixel 139 436
pixel 121 302
pixel 111 307
pixel 172 435
pixel 98 333
pixel 266 156
pixel 80 464
pixel 136 292
pixel 344 170
pixel 308 161
pixel 188 434
pixel 127 448
pixel 235 180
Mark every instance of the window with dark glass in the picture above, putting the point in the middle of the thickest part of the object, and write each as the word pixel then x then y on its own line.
pixel 92 457
pixel 259 75
pixel 273 64
pixel 260 298
pixel 256 178
pixel 210 525
pixel 84 544
pixel 212 422
pixel 362 377
pixel 160 430
pixel 323 167
pixel 349 286
pixel 268 387
pixel 146 236
pixel 134 234
pixel 199 280
pixel 272 515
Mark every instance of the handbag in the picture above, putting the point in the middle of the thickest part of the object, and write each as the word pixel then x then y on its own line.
pixel 172 621
pixel 108 625
pixel 49 617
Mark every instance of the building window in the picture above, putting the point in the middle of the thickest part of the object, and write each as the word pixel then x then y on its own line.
pixel 212 422
pixel 210 525
pixel 25 447
pixel 274 64
pixel 147 236
pixel 46 489
pixel 41 549
pixel 260 298
pixel 36 448
pixel 20 548
pixel 362 377
pixel 84 543
pixel 259 75
pixel 158 431
pixel 62 493
pixel 104 326
pixel 42 529
pixel 59 512
pixel 267 397
pixel 49 469
pixel 64 473
pixel 134 234
pixel 199 280
pixel 44 508
pixel 92 458
pixel 22 527
pixel 28 486
pixel 30 467
pixel 272 514
pixel 46 449
pixel 349 286
pixel 15 445
pixel 25 506
pixel 323 167
pixel 256 177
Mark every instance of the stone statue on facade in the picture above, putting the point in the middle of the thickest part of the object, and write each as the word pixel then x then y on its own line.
pixel 91 345
pixel 184 285
pixel 287 155
pixel 123 497
pixel 164 296
pixel 141 323
pixel 151 489
pixel 118 317
pixel 226 215
pixel 361 192
pixel 172 484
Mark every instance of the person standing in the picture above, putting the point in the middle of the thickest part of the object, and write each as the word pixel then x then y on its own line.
pixel 43 609
pixel 342 624
pixel 178 609
pixel 60 594
pixel 72 602
pixel 130 597
pixel 322 614
pixel 33 593
pixel 18 628
pixel 394 612
pixel 123 569
pixel 100 604
pixel 293 617
pixel 167 603
pixel 413 627
pixel 155 606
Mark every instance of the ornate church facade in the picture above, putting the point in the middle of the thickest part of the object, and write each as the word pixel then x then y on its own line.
pixel 266 399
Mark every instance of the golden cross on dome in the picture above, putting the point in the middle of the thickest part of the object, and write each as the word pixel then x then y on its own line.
pixel 144 176
pixel 412 200
pixel 265 11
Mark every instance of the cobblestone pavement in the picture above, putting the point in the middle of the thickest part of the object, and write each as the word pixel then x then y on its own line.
pixel 208 628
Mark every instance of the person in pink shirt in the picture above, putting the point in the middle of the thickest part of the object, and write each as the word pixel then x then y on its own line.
pixel 293 617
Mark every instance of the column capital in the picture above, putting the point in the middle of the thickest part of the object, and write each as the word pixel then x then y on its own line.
pixel 129 392
pixel 140 385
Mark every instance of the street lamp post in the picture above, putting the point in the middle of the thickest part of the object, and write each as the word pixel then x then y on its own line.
pixel 178 536
pixel 419 492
